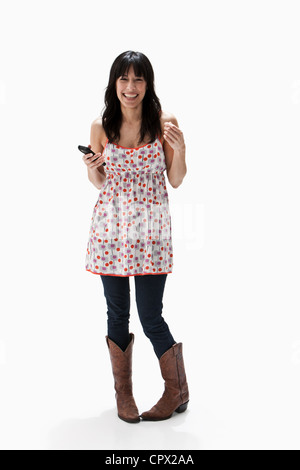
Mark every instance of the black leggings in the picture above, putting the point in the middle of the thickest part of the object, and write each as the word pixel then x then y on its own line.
pixel 149 294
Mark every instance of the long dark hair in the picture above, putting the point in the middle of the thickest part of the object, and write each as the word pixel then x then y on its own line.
pixel 112 114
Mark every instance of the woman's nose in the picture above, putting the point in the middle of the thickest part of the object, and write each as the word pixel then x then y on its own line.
pixel 131 86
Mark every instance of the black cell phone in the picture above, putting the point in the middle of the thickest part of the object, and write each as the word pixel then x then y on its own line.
pixel 87 150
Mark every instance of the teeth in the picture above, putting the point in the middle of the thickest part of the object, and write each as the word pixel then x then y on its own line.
pixel 130 96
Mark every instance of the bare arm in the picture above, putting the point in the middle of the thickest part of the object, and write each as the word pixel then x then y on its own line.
pixel 96 172
pixel 174 149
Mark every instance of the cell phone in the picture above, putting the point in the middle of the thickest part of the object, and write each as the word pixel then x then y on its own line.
pixel 87 150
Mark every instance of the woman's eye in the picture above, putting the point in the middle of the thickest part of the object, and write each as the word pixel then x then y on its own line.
pixel 138 79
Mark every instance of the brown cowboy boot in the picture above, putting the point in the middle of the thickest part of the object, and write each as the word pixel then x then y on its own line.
pixel 176 394
pixel 121 362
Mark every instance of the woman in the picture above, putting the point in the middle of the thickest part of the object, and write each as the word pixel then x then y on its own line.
pixel 130 233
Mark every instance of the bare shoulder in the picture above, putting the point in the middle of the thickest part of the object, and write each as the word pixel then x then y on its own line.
pixel 98 136
pixel 167 117
pixel 97 125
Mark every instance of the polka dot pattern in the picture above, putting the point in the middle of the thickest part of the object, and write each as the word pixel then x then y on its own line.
pixel 130 232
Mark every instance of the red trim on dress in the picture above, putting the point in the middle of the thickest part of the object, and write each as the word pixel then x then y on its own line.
pixel 160 142
pixel 105 145
pixel 127 275
pixel 134 148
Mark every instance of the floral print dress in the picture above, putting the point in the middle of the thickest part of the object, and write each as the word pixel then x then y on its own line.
pixel 130 232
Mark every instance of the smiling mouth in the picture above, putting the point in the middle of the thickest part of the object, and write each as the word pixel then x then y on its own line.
pixel 130 97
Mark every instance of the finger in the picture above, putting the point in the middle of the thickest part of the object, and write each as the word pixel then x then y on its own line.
pixel 97 156
pixel 97 162
pixel 93 156
pixel 85 159
pixel 93 162
pixel 169 139
pixel 172 135
pixel 171 124
pixel 173 129
pixel 96 166
pixel 88 158
pixel 100 164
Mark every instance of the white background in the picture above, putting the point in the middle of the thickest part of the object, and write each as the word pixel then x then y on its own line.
pixel 230 72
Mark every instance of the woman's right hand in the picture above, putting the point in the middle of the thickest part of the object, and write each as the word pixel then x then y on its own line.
pixel 93 161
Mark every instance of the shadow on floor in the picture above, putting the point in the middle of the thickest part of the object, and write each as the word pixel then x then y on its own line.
pixel 108 432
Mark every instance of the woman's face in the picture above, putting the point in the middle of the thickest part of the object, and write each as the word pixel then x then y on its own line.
pixel 131 89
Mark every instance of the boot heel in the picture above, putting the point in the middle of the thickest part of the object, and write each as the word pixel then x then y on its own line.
pixel 182 408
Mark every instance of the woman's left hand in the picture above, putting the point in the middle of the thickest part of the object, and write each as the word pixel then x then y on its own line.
pixel 174 136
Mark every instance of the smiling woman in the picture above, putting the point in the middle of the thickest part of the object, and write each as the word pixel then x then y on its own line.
pixel 130 232
pixel 132 75
pixel 131 88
